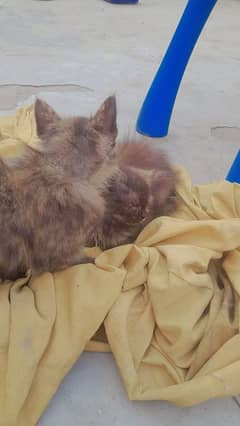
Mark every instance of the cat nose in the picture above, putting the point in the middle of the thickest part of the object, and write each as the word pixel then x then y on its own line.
pixel 147 211
pixel 112 155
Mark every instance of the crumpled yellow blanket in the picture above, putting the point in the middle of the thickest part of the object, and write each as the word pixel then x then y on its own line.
pixel 169 304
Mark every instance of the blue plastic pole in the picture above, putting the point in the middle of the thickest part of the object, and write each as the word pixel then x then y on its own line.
pixel 234 172
pixel 156 111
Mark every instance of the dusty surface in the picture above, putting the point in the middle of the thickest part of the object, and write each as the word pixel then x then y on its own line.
pixel 73 53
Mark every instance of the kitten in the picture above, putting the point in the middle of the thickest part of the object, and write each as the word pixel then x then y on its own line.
pixel 77 188
pixel 141 189
pixel 50 200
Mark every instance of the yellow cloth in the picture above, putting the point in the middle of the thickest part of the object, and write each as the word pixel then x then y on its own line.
pixel 169 304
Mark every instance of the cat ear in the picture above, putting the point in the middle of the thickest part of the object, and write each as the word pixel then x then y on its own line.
pixel 105 120
pixel 45 117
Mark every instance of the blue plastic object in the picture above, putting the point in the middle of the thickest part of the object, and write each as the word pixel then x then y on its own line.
pixel 156 111
pixel 122 1
pixel 234 172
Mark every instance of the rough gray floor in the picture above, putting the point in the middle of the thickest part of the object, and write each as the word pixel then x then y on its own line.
pixel 73 53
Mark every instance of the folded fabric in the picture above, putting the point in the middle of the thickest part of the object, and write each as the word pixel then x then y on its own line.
pixel 169 305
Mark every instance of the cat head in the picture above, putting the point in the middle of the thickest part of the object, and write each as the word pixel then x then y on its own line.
pixel 142 189
pixel 80 145
pixel 151 165
pixel 145 191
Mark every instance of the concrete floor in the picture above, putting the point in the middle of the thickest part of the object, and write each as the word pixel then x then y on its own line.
pixel 73 53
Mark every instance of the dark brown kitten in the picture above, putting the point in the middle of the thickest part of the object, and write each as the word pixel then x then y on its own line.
pixel 50 200
pixel 141 189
